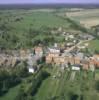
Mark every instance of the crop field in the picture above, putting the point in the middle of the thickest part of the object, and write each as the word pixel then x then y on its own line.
pixel 63 83
pixel 87 17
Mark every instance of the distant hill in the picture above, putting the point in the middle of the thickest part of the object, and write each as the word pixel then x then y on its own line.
pixel 37 6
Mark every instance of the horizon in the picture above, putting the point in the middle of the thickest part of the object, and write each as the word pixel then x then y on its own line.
pixel 49 2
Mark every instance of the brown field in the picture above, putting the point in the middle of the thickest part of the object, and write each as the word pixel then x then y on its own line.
pixel 87 17
pixel 90 22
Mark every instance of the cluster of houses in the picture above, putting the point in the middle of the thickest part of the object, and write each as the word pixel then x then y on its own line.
pixel 31 57
pixel 7 61
pixel 57 55
pixel 53 55
pixel 77 60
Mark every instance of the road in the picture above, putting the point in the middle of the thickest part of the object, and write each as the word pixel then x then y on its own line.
pixel 73 47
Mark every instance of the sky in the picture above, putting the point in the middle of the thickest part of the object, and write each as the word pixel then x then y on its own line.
pixel 46 1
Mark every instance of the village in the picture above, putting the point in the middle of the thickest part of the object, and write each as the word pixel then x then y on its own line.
pixel 69 56
pixel 49 51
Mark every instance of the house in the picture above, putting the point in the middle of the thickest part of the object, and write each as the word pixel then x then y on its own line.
pixel 14 62
pixel 23 54
pixel 77 60
pixel 2 61
pixel 85 64
pixel 68 36
pixel 66 60
pixel 96 57
pixel 49 58
pixel 38 51
pixel 71 60
pixel 96 60
pixel 59 60
pixel 69 44
pixel 96 63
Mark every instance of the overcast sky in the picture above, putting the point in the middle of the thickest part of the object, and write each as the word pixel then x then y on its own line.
pixel 47 1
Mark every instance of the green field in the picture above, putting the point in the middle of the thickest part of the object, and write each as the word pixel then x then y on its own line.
pixel 59 86
pixel 27 28
pixel 94 45
pixel 62 87
pixel 22 29
pixel 34 20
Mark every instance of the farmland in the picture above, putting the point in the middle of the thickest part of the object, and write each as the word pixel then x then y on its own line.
pixel 60 86
pixel 87 17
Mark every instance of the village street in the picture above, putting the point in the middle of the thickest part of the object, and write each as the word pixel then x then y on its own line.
pixel 78 44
